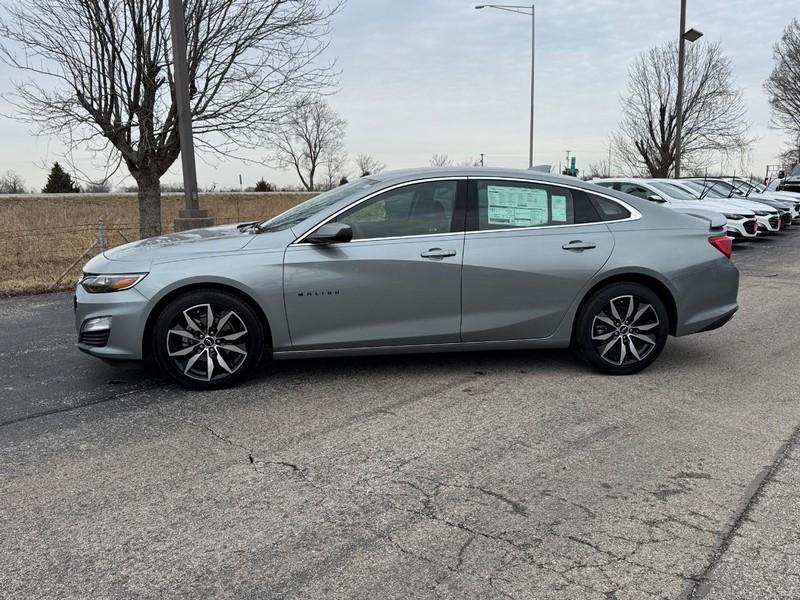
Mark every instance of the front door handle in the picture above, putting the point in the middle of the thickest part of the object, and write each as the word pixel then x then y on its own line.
pixel 579 245
pixel 437 253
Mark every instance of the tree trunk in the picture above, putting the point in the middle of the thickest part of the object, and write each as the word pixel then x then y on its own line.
pixel 149 205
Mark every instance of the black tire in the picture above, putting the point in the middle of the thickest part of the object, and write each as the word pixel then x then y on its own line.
pixel 606 341
pixel 218 358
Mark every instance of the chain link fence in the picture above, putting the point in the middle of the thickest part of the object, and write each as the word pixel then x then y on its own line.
pixel 50 258
pixel 44 243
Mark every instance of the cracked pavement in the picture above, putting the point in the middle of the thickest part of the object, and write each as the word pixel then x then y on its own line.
pixel 486 475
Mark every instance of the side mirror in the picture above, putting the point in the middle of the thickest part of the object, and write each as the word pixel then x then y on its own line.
pixel 654 198
pixel 331 233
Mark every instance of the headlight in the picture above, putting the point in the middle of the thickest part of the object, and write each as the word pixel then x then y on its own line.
pixel 761 213
pixel 733 217
pixel 99 284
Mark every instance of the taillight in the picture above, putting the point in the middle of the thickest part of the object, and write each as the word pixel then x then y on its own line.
pixel 723 243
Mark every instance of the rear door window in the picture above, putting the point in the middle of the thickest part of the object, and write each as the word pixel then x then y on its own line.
pixel 513 204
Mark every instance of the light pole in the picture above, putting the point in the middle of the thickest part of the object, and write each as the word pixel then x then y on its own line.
pixel 691 35
pixel 523 10
pixel 192 215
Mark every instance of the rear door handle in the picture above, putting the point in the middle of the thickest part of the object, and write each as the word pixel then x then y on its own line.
pixel 579 245
pixel 437 253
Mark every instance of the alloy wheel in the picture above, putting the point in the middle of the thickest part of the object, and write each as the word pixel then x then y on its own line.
pixel 624 331
pixel 207 342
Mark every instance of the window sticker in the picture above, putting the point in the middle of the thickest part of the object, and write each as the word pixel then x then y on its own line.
pixel 558 207
pixel 516 206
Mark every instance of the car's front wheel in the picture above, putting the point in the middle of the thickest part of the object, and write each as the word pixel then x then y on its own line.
pixel 208 339
pixel 621 329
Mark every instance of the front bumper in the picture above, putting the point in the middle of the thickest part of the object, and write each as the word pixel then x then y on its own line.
pixel 769 224
pixel 127 312
pixel 742 229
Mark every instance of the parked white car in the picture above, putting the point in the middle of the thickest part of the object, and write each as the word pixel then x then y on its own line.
pixel 786 208
pixel 740 222
pixel 754 190
pixel 768 217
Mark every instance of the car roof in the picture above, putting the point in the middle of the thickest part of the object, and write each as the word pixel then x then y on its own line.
pixel 402 175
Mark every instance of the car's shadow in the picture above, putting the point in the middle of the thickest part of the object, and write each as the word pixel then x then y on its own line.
pixel 478 362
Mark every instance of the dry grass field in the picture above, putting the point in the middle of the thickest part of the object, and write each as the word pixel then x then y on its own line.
pixel 41 236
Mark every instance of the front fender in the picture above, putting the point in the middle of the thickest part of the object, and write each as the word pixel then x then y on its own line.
pixel 258 276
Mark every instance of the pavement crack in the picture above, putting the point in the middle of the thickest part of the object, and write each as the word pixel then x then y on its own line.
pixel 253 460
pixel 523 547
pixel 586 510
pixel 703 582
pixel 462 552
pixel 102 400
pixel 516 507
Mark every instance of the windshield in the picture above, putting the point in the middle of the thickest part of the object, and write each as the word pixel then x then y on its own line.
pixel 724 187
pixel 298 214
pixel 707 190
pixel 743 187
pixel 673 191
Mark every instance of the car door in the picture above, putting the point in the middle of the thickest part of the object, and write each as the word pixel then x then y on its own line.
pixel 397 282
pixel 529 250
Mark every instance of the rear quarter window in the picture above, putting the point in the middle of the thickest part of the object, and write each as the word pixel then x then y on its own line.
pixel 609 210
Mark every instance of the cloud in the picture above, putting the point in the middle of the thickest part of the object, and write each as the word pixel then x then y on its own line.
pixel 424 76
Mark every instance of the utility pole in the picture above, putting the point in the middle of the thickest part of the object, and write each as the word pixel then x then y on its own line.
pixel 526 10
pixel 192 216
pixel 692 35
pixel 679 99
pixel 533 71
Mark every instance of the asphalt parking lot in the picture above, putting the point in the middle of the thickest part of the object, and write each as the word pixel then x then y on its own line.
pixel 487 475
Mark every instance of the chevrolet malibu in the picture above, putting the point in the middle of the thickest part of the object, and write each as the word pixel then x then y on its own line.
pixel 414 261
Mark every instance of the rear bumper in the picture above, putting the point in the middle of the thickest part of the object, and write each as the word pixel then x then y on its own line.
pixel 720 321
pixel 707 298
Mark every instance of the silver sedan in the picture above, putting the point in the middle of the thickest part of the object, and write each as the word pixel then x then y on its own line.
pixel 414 261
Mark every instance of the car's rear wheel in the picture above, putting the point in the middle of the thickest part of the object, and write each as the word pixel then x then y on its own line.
pixel 208 339
pixel 622 328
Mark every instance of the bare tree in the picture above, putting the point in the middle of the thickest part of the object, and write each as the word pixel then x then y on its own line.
pixel 97 187
pixel 470 162
pixel 368 165
pixel 790 155
pixel 714 113
pixel 598 169
pixel 441 160
pixel 335 163
pixel 12 183
pixel 311 134
pixel 783 84
pixel 112 89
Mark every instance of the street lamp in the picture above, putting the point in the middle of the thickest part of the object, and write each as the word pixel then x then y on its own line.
pixel 192 215
pixel 692 35
pixel 523 10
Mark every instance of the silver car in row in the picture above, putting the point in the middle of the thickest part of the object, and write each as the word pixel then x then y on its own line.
pixel 414 261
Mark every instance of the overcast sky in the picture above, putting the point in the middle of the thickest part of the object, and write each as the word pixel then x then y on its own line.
pixel 436 76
